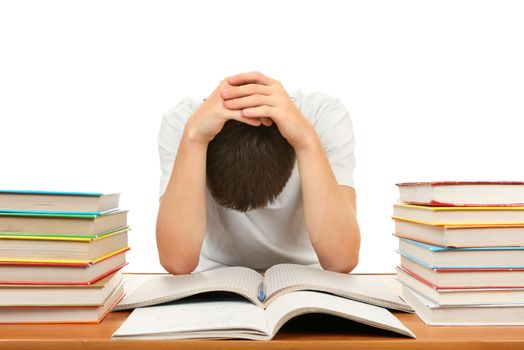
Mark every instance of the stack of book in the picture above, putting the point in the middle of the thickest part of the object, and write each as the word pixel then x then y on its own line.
pixel 462 251
pixel 60 256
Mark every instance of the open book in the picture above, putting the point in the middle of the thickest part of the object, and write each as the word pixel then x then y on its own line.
pixel 229 318
pixel 263 302
pixel 263 290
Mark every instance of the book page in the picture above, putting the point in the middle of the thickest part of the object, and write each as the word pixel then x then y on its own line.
pixel 299 303
pixel 165 288
pixel 196 319
pixel 285 278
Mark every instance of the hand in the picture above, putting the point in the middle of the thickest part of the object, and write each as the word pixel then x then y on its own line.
pixel 260 97
pixel 207 121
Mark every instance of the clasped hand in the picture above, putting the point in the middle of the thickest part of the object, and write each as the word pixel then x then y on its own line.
pixel 254 99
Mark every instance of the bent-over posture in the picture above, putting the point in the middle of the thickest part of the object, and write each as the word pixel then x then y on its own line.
pixel 254 176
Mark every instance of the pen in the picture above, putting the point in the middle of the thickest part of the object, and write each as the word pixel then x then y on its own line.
pixel 261 291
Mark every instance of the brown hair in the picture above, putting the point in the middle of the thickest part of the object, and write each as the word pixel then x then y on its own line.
pixel 248 166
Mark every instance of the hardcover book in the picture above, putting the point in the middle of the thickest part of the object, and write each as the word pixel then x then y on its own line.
pixel 487 315
pixel 53 225
pixel 463 193
pixel 459 215
pixel 442 257
pixel 61 314
pixel 470 235
pixel 38 248
pixel 462 296
pixel 471 277
pixel 61 272
pixel 59 295
pixel 16 201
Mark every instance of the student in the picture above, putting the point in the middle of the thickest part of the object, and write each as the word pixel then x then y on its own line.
pixel 253 177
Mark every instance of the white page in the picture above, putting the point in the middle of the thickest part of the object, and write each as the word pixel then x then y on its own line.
pixel 303 302
pixel 165 288
pixel 284 278
pixel 214 317
pixel 134 281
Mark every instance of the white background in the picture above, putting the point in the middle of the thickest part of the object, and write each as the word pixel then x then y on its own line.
pixel 435 90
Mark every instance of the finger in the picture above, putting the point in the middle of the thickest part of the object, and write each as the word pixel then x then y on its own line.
pixel 229 92
pixel 249 78
pixel 258 112
pixel 266 121
pixel 249 101
pixel 237 115
pixel 223 84
pixel 250 121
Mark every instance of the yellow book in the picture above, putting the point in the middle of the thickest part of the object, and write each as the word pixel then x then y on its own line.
pixel 459 215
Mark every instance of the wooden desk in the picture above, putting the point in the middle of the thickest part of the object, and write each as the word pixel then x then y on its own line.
pixel 324 333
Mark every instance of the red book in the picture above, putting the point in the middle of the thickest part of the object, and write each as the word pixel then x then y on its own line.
pixel 463 193
pixel 460 296
pixel 477 278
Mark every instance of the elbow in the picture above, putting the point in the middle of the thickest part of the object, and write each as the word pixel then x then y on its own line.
pixel 179 266
pixel 350 266
pixel 176 257
pixel 345 266
pixel 344 260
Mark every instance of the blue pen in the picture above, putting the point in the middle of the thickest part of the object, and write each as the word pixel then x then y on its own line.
pixel 261 291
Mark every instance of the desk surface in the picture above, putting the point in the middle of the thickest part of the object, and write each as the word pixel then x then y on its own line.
pixel 325 332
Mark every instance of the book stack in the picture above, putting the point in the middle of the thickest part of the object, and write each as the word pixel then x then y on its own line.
pixel 60 256
pixel 462 251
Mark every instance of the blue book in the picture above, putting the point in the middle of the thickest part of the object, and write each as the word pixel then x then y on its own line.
pixel 53 203
pixel 436 257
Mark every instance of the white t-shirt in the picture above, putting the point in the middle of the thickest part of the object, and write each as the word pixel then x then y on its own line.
pixel 277 233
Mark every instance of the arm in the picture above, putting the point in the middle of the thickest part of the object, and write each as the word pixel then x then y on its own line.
pixel 329 207
pixel 181 220
pixel 180 228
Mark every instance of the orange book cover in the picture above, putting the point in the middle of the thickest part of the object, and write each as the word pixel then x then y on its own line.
pixel 72 264
pixel 112 301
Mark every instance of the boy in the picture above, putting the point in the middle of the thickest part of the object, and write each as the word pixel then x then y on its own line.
pixel 254 177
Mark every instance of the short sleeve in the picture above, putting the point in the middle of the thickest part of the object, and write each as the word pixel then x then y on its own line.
pixel 169 136
pixel 335 130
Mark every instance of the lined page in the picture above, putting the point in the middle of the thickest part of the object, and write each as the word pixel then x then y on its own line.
pixel 284 278
pixel 217 319
pixel 161 289
pixel 286 275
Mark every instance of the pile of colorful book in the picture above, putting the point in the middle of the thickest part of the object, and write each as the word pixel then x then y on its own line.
pixel 60 256
pixel 462 251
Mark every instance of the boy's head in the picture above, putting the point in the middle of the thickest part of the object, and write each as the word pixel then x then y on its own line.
pixel 247 167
